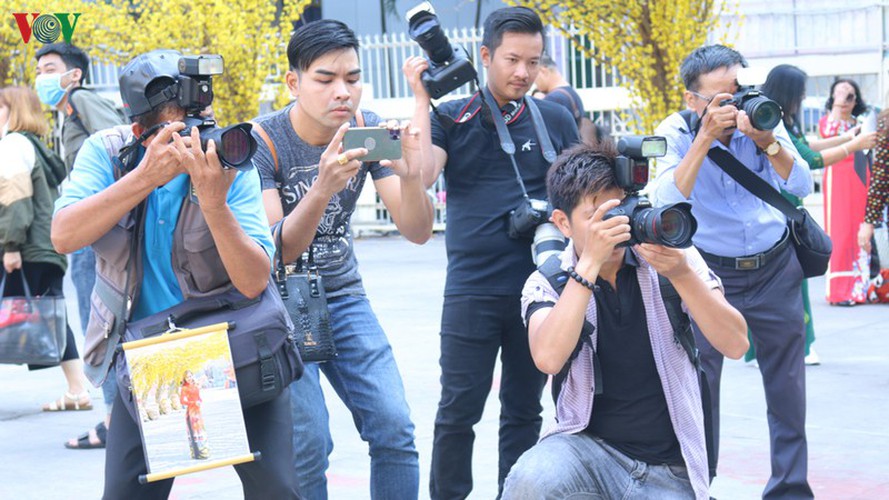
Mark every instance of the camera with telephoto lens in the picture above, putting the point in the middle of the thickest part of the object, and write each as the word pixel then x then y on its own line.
pixel 531 220
pixel 764 113
pixel 449 65
pixel 670 225
pixel 235 145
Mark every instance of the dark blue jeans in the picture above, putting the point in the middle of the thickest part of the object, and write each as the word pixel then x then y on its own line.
pixel 473 330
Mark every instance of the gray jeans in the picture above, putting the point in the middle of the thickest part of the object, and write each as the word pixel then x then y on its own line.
pixel 579 466
pixel 83 276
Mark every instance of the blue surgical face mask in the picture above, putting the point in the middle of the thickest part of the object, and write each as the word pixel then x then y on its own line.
pixel 49 88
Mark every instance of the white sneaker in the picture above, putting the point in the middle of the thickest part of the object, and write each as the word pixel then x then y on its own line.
pixel 812 359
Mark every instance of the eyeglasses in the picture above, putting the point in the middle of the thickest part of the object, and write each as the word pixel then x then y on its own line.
pixel 701 96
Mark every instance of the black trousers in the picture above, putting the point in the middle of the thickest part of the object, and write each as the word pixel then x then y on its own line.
pixel 269 430
pixel 43 279
pixel 473 330
pixel 771 301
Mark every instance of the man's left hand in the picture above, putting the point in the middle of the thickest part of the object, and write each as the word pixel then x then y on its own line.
pixel 211 182
pixel 668 262
pixel 410 151
pixel 762 138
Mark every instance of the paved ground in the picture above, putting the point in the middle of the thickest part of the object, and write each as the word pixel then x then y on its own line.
pixel 848 437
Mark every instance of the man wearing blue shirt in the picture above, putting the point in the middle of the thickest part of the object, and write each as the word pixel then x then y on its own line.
pixel 163 170
pixel 745 242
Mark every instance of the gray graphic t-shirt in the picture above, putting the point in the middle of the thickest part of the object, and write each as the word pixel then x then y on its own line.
pixel 298 170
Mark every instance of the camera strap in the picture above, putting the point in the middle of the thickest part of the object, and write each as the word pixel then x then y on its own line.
pixel 506 142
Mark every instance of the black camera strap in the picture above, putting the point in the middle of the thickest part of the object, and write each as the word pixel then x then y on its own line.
pixel 753 183
pixel 506 143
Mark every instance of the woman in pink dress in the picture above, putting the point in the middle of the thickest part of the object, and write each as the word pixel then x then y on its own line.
pixel 190 397
pixel 845 195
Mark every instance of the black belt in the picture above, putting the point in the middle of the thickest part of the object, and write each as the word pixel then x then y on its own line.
pixel 750 262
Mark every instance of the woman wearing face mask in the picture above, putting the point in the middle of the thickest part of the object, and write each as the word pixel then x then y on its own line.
pixel 845 195
pixel 26 204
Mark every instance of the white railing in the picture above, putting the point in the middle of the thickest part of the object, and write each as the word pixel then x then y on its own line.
pixel 794 30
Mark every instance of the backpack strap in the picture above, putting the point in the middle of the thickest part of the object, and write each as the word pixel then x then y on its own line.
pixel 359 120
pixel 268 142
pixel 73 114
pixel 679 321
pixel 684 336
pixel 551 269
pixel 691 120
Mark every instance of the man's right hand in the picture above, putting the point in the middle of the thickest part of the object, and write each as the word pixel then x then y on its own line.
pixel 602 236
pixel 718 118
pixel 333 175
pixel 163 160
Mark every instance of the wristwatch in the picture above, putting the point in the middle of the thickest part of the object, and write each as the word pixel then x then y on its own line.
pixel 772 149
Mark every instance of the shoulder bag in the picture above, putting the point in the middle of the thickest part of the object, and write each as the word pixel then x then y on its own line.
pixel 302 290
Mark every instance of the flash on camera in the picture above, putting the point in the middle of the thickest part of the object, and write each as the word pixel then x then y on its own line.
pixel 422 7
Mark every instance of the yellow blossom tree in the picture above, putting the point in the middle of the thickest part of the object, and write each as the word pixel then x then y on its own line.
pixel 251 35
pixel 646 40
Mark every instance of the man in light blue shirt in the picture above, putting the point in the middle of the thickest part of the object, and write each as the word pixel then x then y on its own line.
pixel 745 242
pixel 93 174
pixel 231 247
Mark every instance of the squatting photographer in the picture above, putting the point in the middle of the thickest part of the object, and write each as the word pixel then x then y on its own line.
pixel 207 234
pixel 744 239
pixel 494 148
pixel 616 340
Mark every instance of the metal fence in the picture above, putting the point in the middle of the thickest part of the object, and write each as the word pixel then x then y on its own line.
pixel 789 30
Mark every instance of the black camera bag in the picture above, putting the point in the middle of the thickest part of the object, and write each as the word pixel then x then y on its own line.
pixel 260 335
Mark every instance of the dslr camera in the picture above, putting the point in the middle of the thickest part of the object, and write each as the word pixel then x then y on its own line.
pixel 449 65
pixel 531 220
pixel 670 225
pixel 764 113
pixel 234 144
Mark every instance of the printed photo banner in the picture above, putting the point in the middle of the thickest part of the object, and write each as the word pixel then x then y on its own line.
pixel 186 395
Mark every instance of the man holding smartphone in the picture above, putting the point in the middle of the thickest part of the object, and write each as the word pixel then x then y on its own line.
pixel 308 176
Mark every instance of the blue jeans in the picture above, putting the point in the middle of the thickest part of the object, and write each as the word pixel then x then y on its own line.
pixel 580 466
pixel 366 379
pixel 83 276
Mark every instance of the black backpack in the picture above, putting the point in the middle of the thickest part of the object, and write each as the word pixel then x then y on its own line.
pixel 683 334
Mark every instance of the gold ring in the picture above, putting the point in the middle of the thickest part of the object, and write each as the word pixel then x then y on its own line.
pixel 342 159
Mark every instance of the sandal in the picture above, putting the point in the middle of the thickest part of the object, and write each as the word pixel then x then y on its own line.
pixel 70 402
pixel 84 443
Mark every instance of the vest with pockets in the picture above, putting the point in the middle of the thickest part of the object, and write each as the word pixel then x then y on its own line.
pixel 683 334
pixel 197 266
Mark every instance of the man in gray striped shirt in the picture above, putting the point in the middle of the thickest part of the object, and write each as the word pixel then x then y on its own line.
pixel 634 425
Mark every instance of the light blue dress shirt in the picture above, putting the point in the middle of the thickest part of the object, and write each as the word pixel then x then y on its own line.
pixel 93 172
pixel 732 222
